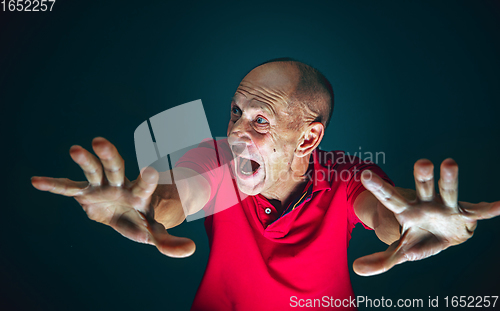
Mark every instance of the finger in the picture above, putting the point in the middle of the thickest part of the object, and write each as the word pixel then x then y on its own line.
pixel 170 245
pixel 384 192
pixel 132 225
pixel 62 186
pixel 146 183
pixel 379 262
pixel 113 164
pixel 423 171
pixel 91 166
pixel 448 183
pixel 414 245
pixel 483 210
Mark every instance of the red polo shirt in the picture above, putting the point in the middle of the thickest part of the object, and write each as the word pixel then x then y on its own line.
pixel 260 260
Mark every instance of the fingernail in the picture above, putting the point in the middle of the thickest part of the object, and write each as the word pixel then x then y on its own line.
pixel 367 175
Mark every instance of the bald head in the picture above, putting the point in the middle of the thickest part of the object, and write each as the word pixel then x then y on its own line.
pixel 311 96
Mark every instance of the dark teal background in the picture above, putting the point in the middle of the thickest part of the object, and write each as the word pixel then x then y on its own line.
pixel 412 79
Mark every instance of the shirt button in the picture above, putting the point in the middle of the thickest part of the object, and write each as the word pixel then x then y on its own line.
pixel 268 211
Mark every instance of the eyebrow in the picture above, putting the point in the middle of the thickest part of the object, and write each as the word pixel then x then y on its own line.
pixel 266 107
pixel 263 106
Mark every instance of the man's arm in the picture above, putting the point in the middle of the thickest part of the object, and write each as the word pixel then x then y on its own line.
pixel 189 187
pixel 376 216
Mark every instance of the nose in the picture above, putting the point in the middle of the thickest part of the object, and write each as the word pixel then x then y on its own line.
pixel 239 137
pixel 239 143
pixel 240 131
pixel 238 148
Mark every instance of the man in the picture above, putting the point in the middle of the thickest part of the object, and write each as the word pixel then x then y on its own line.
pixel 285 241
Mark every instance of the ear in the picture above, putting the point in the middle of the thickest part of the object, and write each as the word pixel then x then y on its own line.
pixel 310 139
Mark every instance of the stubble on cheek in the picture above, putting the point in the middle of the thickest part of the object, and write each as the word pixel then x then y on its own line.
pixel 281 141
pixel 278 167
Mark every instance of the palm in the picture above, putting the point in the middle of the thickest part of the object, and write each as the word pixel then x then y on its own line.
pixel 118 208
pixel 110 198
pixel 430 228
pixel 430 223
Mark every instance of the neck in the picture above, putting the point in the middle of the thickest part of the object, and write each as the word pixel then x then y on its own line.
pixel 287 189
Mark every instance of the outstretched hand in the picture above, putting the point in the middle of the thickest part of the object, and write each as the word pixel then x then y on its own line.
pixel 430 223
pixel 110 198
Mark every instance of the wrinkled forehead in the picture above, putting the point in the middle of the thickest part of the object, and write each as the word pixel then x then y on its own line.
pixel 278 77
pixel 270 84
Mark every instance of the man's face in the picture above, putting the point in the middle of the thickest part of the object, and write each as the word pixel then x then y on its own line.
pixel 259 131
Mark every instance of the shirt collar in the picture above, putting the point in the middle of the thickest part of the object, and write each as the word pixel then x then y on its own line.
pixel 320 175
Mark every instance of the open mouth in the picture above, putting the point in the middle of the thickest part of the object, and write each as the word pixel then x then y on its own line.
pixel 247 167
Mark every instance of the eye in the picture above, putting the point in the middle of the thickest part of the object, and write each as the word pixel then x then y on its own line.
pixel 261 120
pixel 235 110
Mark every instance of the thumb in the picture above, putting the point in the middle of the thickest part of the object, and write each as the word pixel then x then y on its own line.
pixel 169 245
pixel 381 262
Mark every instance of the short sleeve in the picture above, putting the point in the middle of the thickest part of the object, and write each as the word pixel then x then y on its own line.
pixel 211 159
pixel 203 160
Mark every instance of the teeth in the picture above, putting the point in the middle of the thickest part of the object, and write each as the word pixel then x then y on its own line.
pixel 248 167
pixel 245 167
